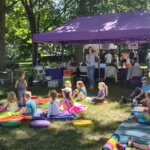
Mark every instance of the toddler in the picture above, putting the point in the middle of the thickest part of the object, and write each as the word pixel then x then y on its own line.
pixel 21 85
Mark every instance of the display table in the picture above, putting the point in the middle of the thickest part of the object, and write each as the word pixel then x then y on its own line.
pixel 55 73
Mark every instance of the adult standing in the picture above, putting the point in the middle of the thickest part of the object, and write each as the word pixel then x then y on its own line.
pixel 90 60
pixel 108 58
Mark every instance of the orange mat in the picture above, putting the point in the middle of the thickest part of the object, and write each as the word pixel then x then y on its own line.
pixel 16 118
pixel 42 100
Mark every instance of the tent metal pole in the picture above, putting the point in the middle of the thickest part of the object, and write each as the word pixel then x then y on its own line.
pixel 99 64
pixel 62 52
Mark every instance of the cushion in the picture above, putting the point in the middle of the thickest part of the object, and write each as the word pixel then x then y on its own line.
pixel 10 124
pixel 39 123
pixel 82 122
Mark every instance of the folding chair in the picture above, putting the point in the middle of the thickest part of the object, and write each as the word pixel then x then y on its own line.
pixel 39 72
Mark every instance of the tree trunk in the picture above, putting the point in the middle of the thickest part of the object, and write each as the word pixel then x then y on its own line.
pixel 32 22
pixel 82 8
pixel 2 34
pixel 33 28
pixel 34 53
pixel 79 53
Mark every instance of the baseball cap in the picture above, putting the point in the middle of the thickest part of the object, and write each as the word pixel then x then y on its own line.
pixel 144 79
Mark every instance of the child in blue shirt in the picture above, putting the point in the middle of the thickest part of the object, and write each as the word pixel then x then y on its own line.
pixel 103 92
pixel 80 93
pixel 30 104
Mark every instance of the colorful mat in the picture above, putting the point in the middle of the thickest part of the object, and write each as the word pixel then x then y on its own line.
pixel 128 128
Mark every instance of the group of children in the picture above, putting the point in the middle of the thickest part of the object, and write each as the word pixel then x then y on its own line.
pixel 55 106
pixel 69 96
pixel 12 104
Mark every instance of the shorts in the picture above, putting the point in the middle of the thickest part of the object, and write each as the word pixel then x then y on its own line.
pixel 21 93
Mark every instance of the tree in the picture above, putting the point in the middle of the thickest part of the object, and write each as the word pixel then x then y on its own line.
pixel 34 10
pixel 26 17
pixel 29 6
pixel 2 34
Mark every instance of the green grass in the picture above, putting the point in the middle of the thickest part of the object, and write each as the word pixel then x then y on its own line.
pixel 62 135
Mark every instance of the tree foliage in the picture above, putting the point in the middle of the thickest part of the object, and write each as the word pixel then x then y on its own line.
pixel 26 17
pixel 2 34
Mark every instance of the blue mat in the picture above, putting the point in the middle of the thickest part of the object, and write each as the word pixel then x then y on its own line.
pixel 58 117
pixel 124 139
pixel 128 128
pixel 133 125
pixel 139 136
pixel 62 117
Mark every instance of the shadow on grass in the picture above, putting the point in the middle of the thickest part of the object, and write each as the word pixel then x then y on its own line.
pixel 47 139
pixel 126 107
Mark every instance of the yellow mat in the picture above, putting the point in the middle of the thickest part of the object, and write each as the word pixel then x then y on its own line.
pixel 82 122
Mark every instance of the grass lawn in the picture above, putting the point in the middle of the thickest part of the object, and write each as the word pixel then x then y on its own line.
pixel 62 135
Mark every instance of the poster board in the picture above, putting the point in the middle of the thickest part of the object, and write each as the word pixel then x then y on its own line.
pixel 133 46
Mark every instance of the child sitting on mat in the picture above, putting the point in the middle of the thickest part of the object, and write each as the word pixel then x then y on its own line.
pixel 12 104
pixel 30 108
pixel 103 92
pixel 67 102
pixel 53 107
pixel 80 93
pixel 21 85
pixel 68 86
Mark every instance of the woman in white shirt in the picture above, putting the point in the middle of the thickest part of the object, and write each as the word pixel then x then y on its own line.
pixel 90 60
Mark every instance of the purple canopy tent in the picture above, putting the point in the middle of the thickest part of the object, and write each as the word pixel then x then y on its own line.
pixel 119 27
pixel 106 28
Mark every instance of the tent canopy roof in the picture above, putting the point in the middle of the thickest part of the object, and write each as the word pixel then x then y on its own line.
pixel 106 28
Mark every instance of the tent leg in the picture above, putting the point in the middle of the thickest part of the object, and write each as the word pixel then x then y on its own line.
pixel 99 64
pixel 62 53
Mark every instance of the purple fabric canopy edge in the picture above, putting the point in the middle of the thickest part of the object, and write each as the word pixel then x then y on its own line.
pixel 119 27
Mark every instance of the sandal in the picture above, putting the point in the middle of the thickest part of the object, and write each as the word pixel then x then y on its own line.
pixel 130 142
